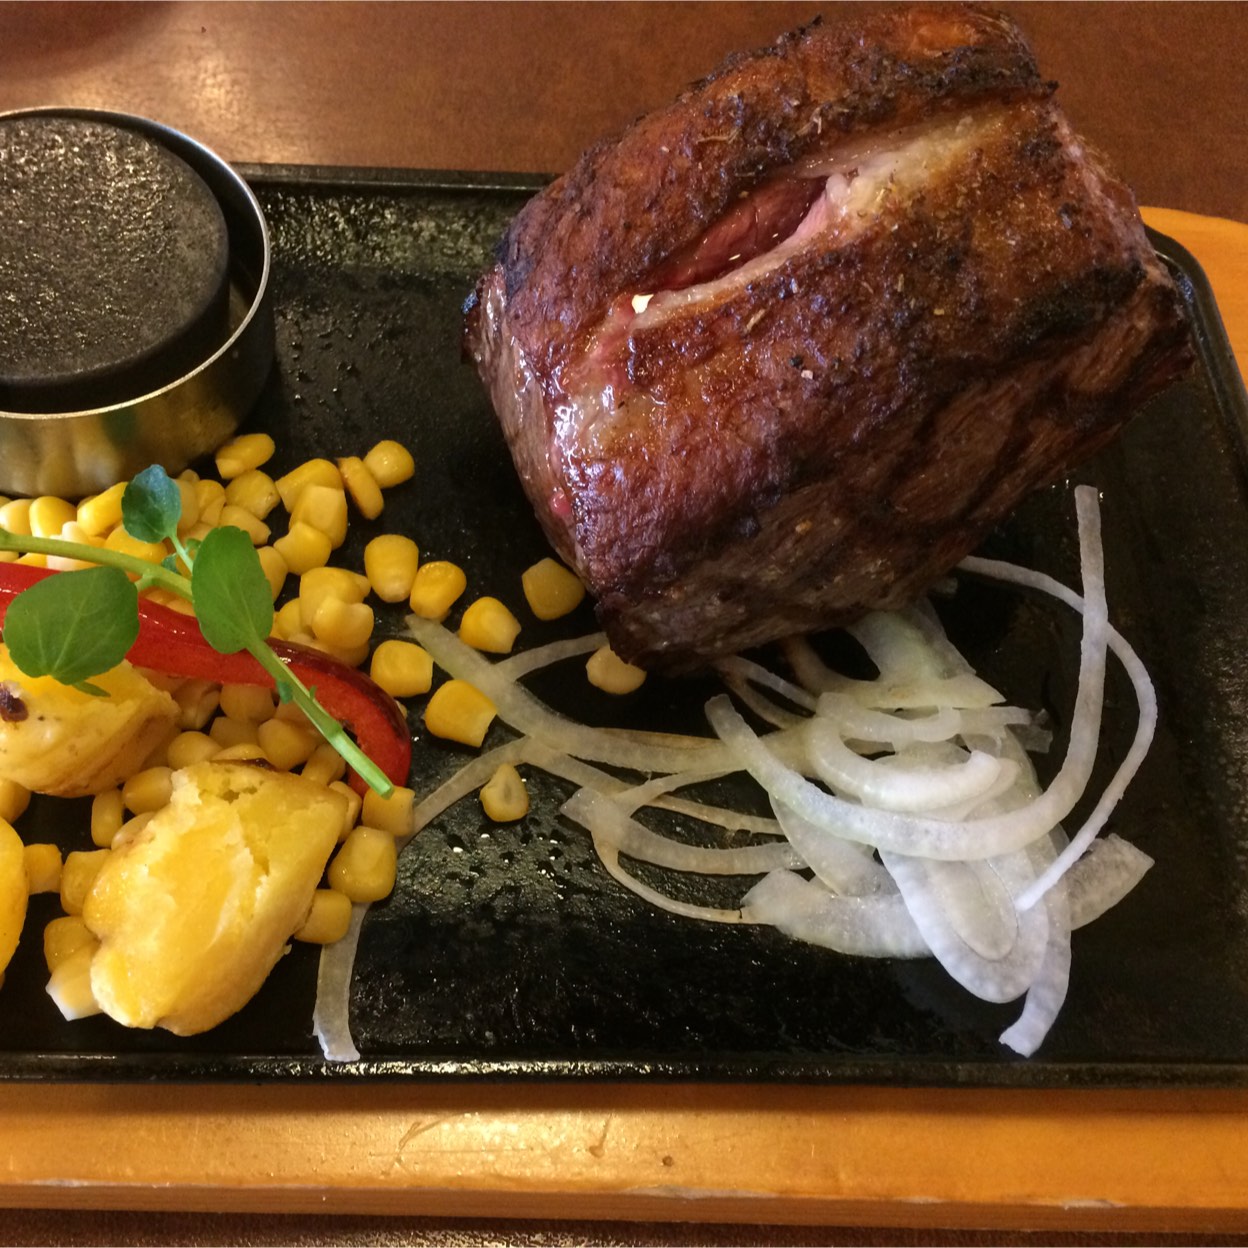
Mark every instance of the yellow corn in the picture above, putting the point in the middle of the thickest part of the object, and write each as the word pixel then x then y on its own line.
pixel 197 702
pixel 188 517
pixel 402 668
pixel 551 590
pixel 63 937
pixel 274 568
pixel 288 620
pixel 244 752
pixel 317 584
pixel 211 497
pixel 354 803
pixel 390 463
pixel 120 540
pixel 608 672
pixel 253 491
pixel 253 703
pixel 328 918
pixel 488 625
pixel 365 867
pixel 459 712
pixel 108 813
pixel 287 743
pixel 312 472
pixel 188 748
pixel 362 486
pixel 241 518
pixel 149 789
pixel 390 563
pixel 227 732
pixel 15 516
pixel 245 452
pixel 48 515
pixel 43 867
pixel 304 548
pixel 504 797
pixel 435 589
pixel 70 985
pixel 14 798
pixel 132 827
pixel 103 512
pixel 393 813
pixel 343 625
pixel 72 531
pixel 324 765
pixel 77 875
pixel 32 561
pixel 324 507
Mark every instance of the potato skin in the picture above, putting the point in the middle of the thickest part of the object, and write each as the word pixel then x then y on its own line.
pixel 55 739
pixel 193 912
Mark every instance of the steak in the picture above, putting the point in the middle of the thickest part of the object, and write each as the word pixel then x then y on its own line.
pixel 788 349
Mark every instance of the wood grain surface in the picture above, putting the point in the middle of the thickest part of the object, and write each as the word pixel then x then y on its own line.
pixel 524 87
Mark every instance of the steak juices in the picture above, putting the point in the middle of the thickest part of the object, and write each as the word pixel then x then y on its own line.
pixel 787 349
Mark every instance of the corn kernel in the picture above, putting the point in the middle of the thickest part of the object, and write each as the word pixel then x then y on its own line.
pixel 70 985
pixel 253 703
pixel 148 790
pixel 103 512
pixel 197 702
pixel 313 472
pixel 120 540
pixel 253 491
pixel 227 732
pixel 287 620
pixel 274 568
pixel 287 743
pixel 608 672
pixel 48 515
pixel 188 748
pixel 391 463
pixel 317 584
pixel 350 656
pixel 365 867
pixel 504 797
pixel 244 752
pixel 78 875
pixel 343 625
pixel 43 867
pixel 362 486
pixel 393 813
pixel 72 531
pixel 240 454
pixel 188 516
pixel 402 668
pixel 211 496
pixel 459 712
pixel 15 517
pixel 241 518
pixel 14 798
pixel 325 508
pixel 328 918
pixel 551 590
pixel 390 563
pixel 354 804
pixel 304 548
pixel 108 813
pixel 32 560
pixel 324 765
pixel 488 625
pixel 132 827
pixel 65 936
pixel 435 589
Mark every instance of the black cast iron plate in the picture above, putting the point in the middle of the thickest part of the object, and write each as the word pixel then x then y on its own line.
pixel 507 951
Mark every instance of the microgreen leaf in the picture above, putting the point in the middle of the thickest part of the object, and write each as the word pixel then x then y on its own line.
pixel 73 626
pixel 151 506
pixel 230 592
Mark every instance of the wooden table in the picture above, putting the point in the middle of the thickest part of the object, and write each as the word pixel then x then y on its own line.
pixel 523 88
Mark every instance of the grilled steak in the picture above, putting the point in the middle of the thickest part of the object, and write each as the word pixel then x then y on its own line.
pixel 786 350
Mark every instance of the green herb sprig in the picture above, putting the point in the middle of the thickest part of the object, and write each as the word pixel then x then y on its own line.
pixel 82 623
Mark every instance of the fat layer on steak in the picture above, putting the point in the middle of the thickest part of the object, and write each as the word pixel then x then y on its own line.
pixel 788 349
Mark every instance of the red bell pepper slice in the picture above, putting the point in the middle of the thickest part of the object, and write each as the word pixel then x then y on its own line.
pixel 171 642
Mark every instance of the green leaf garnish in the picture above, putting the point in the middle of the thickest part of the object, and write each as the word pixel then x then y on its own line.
pixel 74 626
pixel 230 592
pixel 151 506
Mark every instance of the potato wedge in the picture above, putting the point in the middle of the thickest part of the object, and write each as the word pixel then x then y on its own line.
pixel 194 912
pixel 56 739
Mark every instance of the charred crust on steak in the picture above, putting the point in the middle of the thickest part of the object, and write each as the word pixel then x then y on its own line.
pixel 768 409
